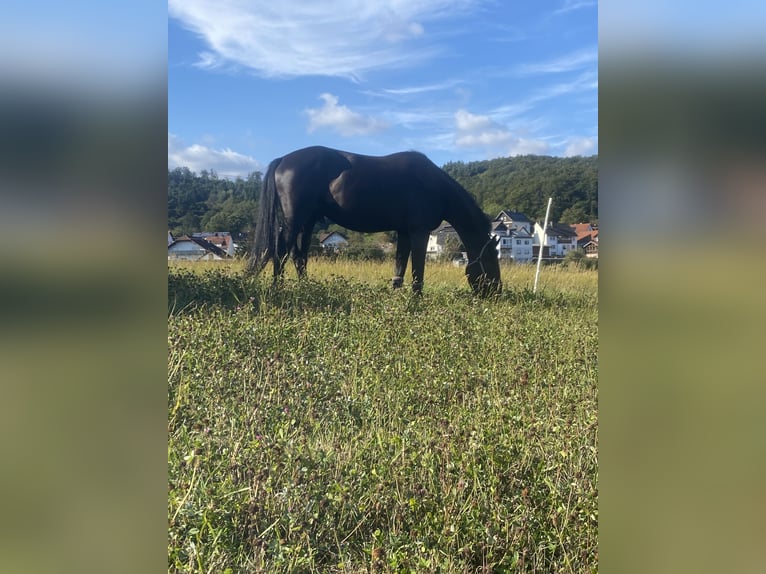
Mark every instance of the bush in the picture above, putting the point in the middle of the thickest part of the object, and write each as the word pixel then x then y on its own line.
pixel 578 259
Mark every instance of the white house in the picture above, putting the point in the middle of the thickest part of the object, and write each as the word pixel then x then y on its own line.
pixel 560 239
pixel 333 241
pixel 515 220
pixel 442 239
pixel 505 243
pixel 221 239
pixel 515 241
pixel 187 248
pixel 521 249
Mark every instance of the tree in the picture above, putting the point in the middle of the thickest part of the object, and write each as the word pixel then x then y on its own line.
pixel 574 214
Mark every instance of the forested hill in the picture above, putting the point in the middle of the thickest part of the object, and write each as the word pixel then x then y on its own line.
pixel 524 183
pixel 206 202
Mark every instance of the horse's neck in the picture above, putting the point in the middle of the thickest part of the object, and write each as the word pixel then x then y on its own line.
pixel 470 230
pixel 467 218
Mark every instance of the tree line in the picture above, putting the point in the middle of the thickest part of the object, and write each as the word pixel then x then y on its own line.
pixel 205 202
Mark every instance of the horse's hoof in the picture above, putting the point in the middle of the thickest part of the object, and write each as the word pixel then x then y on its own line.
pixel 397 282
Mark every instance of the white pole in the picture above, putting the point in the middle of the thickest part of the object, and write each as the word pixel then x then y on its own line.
pixel 542 243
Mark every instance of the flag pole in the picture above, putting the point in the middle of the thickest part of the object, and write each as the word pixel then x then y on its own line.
pixel 542 243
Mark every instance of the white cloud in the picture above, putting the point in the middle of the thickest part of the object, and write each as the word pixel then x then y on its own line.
pixel 570 5
pixel 587 58
pixel 580 146
pixel 489 138
pixel 479 131
pixel 523 146
pixel 226 162
pixel 332 38
pixel 409 90
pixel 207 61
pixel 341 119
pixel 466 121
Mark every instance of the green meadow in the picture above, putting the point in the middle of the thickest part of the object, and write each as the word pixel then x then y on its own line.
pixel 335 425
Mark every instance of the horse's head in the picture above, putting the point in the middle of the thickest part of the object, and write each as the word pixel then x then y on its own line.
pixel 483 272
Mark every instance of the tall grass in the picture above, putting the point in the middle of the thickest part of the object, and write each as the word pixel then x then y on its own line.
pixel 335 425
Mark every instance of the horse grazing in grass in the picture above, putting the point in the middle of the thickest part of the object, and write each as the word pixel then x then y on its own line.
pixel 405 192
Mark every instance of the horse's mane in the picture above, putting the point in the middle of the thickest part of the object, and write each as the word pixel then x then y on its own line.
pixel 465 209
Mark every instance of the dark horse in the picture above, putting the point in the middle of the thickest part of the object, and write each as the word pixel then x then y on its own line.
pixel 405 192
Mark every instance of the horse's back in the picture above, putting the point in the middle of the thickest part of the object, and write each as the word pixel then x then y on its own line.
pixel 315 161
pixel 364 192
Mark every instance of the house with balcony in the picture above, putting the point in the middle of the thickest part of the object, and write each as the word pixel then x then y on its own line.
pixel 587 238
pixel 557 240
pixel 514 243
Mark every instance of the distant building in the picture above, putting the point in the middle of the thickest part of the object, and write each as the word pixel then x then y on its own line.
pixel 587 238
pixel 333 241
pixel 514 244
pixel 187 248
pixel 515 220
pixel 560 239
pixel 512 229
pixel 441 240
pixel 221 239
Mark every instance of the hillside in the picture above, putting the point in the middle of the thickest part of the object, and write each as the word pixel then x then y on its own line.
pixel 525 183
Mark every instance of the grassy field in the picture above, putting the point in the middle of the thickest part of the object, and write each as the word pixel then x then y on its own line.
pixel 334 425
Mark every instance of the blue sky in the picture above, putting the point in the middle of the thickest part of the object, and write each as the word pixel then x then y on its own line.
pixel 459 80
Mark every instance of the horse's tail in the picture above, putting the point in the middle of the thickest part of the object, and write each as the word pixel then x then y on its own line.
pixel 268 221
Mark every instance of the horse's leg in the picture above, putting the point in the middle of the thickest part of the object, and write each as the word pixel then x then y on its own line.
pixel 279 255
pixel 301 249
pixel 419 243
pixel 402 255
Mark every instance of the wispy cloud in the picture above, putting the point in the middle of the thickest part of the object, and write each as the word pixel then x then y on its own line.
pixel 226 162
pixel 208 61
pixel 574 61
pixel 571 5
pixel 341 119
pixel 583 83
pixel 334 38
pixel 409 90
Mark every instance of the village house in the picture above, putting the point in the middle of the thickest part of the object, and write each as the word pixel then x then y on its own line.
pixel 333 241
pixel 221 239
pixel 515 221
pixel 587 238
pixel 591 248
pixel 442 241
pixel 560 239
pixel 515 243
pixel 186 248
